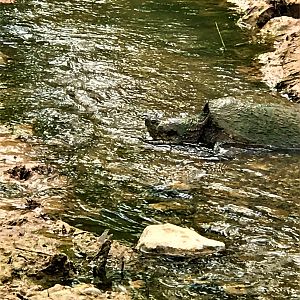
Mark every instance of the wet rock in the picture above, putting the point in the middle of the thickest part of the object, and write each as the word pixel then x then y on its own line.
pixel 7 1
pixel 5 273
pixel 170 206
pixel 279 27
pixel 20 173
pixel 280 68
pixel 31 204
pixel 257 13
pixel 89 245
pixel 78 292
pixel 94 253
pixel 43 169
pixel 235 290
pixel 59 265
pixel 24 173
pixel 91 291
pixel 3 58
pixel 173 240
pixel 31 257
pixel 278 19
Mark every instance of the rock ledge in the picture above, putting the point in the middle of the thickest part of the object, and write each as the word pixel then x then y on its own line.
pixel 280 21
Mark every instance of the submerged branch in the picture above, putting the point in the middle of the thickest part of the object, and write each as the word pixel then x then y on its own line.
pixel 219 32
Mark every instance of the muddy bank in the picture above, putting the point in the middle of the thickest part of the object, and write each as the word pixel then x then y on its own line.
pixel 279 22
pixel 40 255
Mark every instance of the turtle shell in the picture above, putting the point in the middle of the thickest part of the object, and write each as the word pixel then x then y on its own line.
pixel 259 124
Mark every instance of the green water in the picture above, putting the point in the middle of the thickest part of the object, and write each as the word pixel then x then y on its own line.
pixel 84 73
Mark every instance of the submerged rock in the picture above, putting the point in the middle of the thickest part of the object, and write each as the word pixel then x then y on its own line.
pixel 77 292
pixel 169 239
pixel 3 58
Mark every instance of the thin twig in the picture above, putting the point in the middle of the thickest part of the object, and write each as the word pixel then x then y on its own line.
pixel 224 47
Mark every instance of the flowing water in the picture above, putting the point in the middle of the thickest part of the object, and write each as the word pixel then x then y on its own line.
pixel 84 73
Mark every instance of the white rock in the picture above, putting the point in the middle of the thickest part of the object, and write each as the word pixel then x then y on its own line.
pixel 91 291
pixel 170 239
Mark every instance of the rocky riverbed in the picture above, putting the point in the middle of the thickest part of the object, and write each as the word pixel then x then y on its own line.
pixel 40 254
pixel 276 21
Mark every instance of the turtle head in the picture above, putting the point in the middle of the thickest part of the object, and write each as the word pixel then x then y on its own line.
pixel 177 130
pixel 162 130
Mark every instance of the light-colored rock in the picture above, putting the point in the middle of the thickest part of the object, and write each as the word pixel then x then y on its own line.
pixel 235 289
pixel 279 27
pixel 78 292
pixel 5 272
pixel 3 58
pixel 280 68
pixel 91 291
pixel 173 240
pixel 278 20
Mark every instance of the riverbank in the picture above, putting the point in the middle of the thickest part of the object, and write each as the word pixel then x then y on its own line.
pixel 279 22
pixel 40 255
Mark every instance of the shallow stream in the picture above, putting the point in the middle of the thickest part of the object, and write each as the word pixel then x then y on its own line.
pixel 84 73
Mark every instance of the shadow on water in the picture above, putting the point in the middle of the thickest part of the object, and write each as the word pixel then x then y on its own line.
pixel 85 72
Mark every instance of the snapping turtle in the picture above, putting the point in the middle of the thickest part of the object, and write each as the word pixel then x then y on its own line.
pixel 230 121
